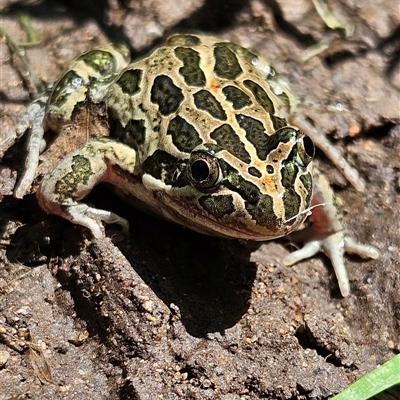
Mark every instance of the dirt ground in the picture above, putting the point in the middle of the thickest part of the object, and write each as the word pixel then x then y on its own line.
pixel 166 313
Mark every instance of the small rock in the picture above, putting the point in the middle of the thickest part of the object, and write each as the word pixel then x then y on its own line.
pixel 4 356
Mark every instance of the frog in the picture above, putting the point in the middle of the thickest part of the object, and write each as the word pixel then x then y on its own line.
pixel 203 133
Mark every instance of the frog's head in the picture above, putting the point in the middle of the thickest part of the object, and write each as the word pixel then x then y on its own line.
pixel 263 195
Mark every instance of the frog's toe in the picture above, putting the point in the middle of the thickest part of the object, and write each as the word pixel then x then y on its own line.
pixel 109 217
pixel 84 215
pixel 307 251
pixel 78 213
pixel 334 247
pixel 362 250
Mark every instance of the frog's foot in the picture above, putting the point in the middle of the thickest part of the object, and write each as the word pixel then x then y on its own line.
pixel 32 121
pixel 334 246
pixel 82 214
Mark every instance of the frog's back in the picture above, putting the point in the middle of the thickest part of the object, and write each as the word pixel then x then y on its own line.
pixel 194 91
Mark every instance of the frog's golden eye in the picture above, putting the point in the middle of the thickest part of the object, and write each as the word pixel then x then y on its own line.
pixel 203 171
pixel 306 150
pixel 309 146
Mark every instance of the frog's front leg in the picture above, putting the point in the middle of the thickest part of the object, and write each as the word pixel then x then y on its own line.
pixel 327 233
pixel 101 160
pixel 31 121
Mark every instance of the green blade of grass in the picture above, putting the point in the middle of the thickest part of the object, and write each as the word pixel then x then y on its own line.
pixel 378 380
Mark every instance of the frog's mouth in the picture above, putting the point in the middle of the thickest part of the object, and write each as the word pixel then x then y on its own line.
pixel 235 225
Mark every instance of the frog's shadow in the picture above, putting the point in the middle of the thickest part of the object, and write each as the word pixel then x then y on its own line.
pixel 208 278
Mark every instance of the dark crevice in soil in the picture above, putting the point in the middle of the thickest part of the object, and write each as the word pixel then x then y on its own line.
pixel 307 340
pixel 79 10
pixel 207 278
pixel 252 384
pixel 381 131
pixel 128 391
pixel 99 13
pixel 342 55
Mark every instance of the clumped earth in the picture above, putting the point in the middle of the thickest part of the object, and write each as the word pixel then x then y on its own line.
pixel 166 313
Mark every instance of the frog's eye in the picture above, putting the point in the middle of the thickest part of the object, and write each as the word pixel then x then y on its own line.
pixel 306 150
pixel 203 171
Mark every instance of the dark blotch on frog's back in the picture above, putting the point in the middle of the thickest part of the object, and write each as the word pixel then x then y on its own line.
pixel 205 101
pixel 257 204
pixel 166 95
pixel 263 212
pixel 227 139
pixel 184 135
pixel 237 97
pixel 183 40
pixel 291 199
pixel 133 133
pixel 166 168
pixel 290 173
pixel 129 81
pixel 191 71
pixel 256 135
pixel 226 62
pixel 260 95
pixel 265 102
pixel 254 171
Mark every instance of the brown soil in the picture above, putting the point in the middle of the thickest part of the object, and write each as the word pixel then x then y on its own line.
pixel 165 313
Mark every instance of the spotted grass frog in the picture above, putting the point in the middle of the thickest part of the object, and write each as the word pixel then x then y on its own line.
pixel 201 132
